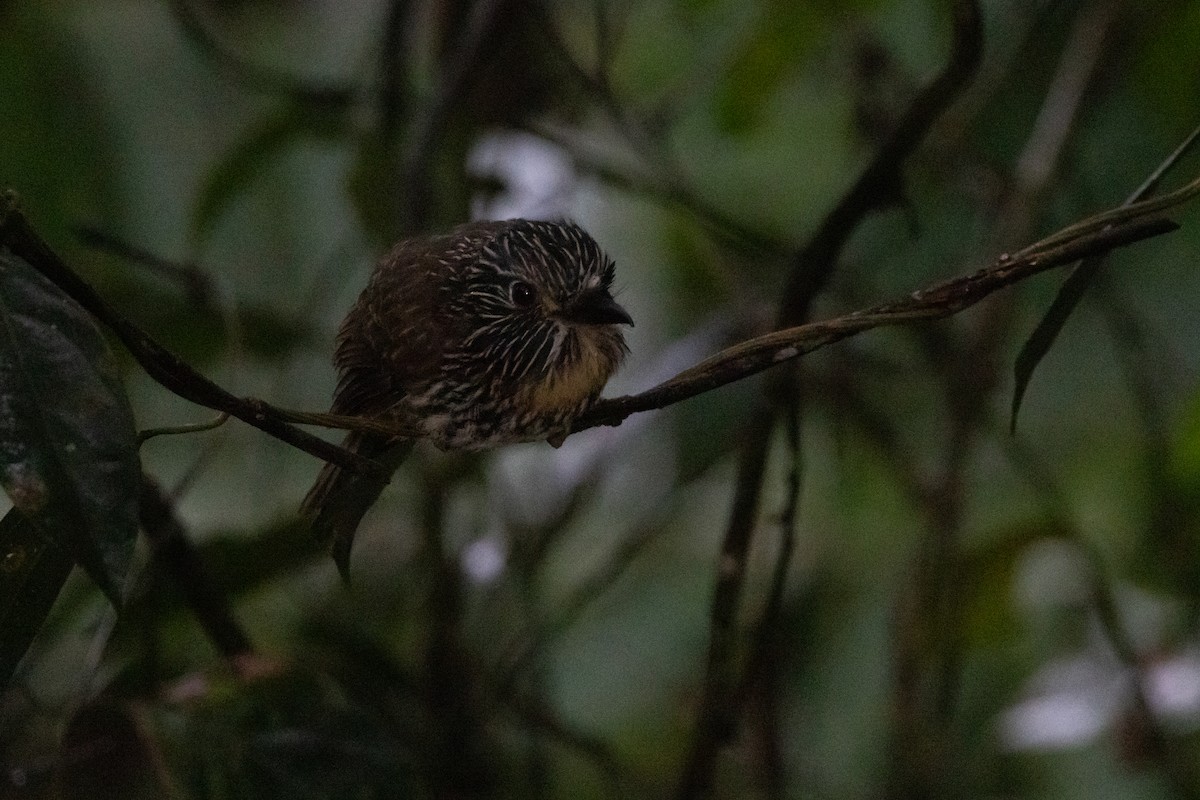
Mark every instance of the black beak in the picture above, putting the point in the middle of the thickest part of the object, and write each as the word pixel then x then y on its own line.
pixel 597 307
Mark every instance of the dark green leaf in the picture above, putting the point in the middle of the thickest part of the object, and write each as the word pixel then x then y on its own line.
pixel 1072 291
pixel 33 568
pixel 68 444
pixel 765 60
pixel 248 158
pixel 1049 326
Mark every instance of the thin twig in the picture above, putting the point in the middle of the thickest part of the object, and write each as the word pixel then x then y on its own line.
pixel 760 677
pixel 519 655
pixel 763 352
pixel 880 184
pixel 198 286
pixel 544 722
pixel 179 560
pixel 735 363
pixel 176 430
pixel 773 608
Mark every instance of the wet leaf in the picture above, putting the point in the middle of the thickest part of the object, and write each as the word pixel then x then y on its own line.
pixel 68 444
pixel 33 569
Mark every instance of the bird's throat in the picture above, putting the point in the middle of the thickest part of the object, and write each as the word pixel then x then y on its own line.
pixel 574 383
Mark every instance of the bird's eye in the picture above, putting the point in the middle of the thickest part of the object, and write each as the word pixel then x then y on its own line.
pixel 522 294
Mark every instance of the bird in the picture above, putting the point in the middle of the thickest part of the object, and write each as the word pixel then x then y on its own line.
pixel 493 333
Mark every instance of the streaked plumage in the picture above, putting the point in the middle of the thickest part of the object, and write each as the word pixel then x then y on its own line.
pixel 496 332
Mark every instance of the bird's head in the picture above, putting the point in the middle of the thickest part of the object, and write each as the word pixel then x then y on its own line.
pixel 539 299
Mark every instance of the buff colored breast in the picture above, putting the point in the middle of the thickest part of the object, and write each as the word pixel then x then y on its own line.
pixel 567 388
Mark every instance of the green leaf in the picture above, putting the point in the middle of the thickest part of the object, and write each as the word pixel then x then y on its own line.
pixel 775 51
pixel 68 444
pixel 33 569
pixel 764 61
pixel 234 175
pixel 1067 300
pixel 1049 326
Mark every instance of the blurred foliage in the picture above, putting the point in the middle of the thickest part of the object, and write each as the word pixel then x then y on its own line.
pixel 1014 616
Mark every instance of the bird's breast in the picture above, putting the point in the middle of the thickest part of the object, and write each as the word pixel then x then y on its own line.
pixel 468 410
pixel 571 383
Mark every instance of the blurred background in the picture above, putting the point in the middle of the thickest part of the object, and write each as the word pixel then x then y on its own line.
pixel 931 607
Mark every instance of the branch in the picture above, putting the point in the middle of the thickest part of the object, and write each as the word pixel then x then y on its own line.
pixel 812 267
pixel 198 287
pixel 1098 234
pixel 760 666
pixel 567 612
pixel 160 364
pixel 880 183
pixel 936 302
pixel 542 721
pixel 182 564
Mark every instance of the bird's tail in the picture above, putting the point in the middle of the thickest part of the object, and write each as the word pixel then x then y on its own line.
pixel 339 499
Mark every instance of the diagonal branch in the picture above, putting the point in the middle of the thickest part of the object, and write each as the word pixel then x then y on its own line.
pixel 159 363
pixel 936 302
pixel 1080 240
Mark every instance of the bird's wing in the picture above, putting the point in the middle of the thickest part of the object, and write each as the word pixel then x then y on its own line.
pixel 394 337
pixel 385 344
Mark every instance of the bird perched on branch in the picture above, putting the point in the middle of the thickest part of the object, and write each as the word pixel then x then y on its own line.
pixel 496 332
